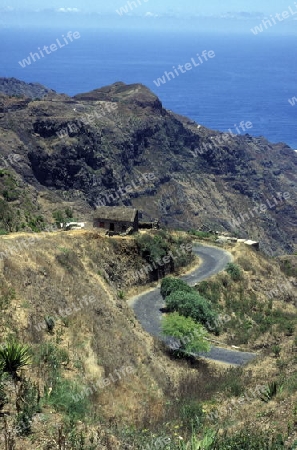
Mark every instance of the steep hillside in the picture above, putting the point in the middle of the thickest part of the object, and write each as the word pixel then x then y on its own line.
pixel 64 294
pixel 100 147
pixel 97 381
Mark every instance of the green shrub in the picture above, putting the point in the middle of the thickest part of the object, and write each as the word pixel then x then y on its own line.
pixel 234 271
pixel 154 247
pixel 191 304
pixel 170 284
pixel 188 335
pixel 36 223
pixel 59 217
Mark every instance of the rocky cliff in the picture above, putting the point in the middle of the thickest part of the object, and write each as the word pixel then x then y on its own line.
pixel 118 145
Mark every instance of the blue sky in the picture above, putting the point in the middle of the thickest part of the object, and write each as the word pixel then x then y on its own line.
pixel 152 15
pixel 158 6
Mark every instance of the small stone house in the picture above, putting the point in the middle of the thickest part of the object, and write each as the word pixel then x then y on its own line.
pixel 116 218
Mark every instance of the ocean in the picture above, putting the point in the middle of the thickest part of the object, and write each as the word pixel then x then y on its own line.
pixel 248 79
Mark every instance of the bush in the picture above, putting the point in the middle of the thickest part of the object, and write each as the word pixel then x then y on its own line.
pixel 14 356
pixel 191 304
pixel 170 284
pixel 234 271
pixel 154 247
pixel 188 335
pixel 59 217
pixel 36 223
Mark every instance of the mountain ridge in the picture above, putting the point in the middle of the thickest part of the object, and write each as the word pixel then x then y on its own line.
pixel 203 179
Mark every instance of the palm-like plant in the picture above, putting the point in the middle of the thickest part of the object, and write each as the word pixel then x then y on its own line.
pixel 13 357
pixel 200 444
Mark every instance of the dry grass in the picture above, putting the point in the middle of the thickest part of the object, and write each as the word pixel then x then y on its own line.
pixel 59 269
pixel 55 272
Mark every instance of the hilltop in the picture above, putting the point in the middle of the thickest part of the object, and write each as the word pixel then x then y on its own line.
pixel 85 150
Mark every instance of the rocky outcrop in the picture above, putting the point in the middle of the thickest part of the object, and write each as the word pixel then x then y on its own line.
pixel 95 144
pixel 14 87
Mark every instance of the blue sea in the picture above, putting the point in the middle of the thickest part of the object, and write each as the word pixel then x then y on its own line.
pixel 250 78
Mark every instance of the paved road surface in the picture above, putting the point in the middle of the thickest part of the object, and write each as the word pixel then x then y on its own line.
pixel 147 305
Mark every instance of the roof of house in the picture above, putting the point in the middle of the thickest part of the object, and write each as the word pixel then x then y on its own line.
pixel 116 213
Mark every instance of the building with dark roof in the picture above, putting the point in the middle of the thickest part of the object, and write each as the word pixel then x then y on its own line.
pixel 116 218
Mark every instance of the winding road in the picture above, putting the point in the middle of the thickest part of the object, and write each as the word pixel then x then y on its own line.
pixel 147 306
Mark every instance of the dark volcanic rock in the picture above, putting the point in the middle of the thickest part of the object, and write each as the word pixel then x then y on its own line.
pixel 93 145
pixel 14 87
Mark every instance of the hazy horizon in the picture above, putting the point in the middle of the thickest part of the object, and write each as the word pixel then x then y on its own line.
pixel 230 16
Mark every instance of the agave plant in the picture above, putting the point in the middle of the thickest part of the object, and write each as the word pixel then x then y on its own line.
pixel 271 391
pixel 13 357
pixel 50 323
pixel 200 444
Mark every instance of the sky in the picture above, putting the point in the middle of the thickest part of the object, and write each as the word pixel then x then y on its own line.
pixel 212 7
pixel 227 14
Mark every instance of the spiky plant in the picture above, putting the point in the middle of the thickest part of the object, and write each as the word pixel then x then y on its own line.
pixel 199 444
pixel 50 323
pixel 14 356
pixel 271 391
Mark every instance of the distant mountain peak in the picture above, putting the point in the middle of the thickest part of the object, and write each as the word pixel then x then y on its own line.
pixel 14 87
